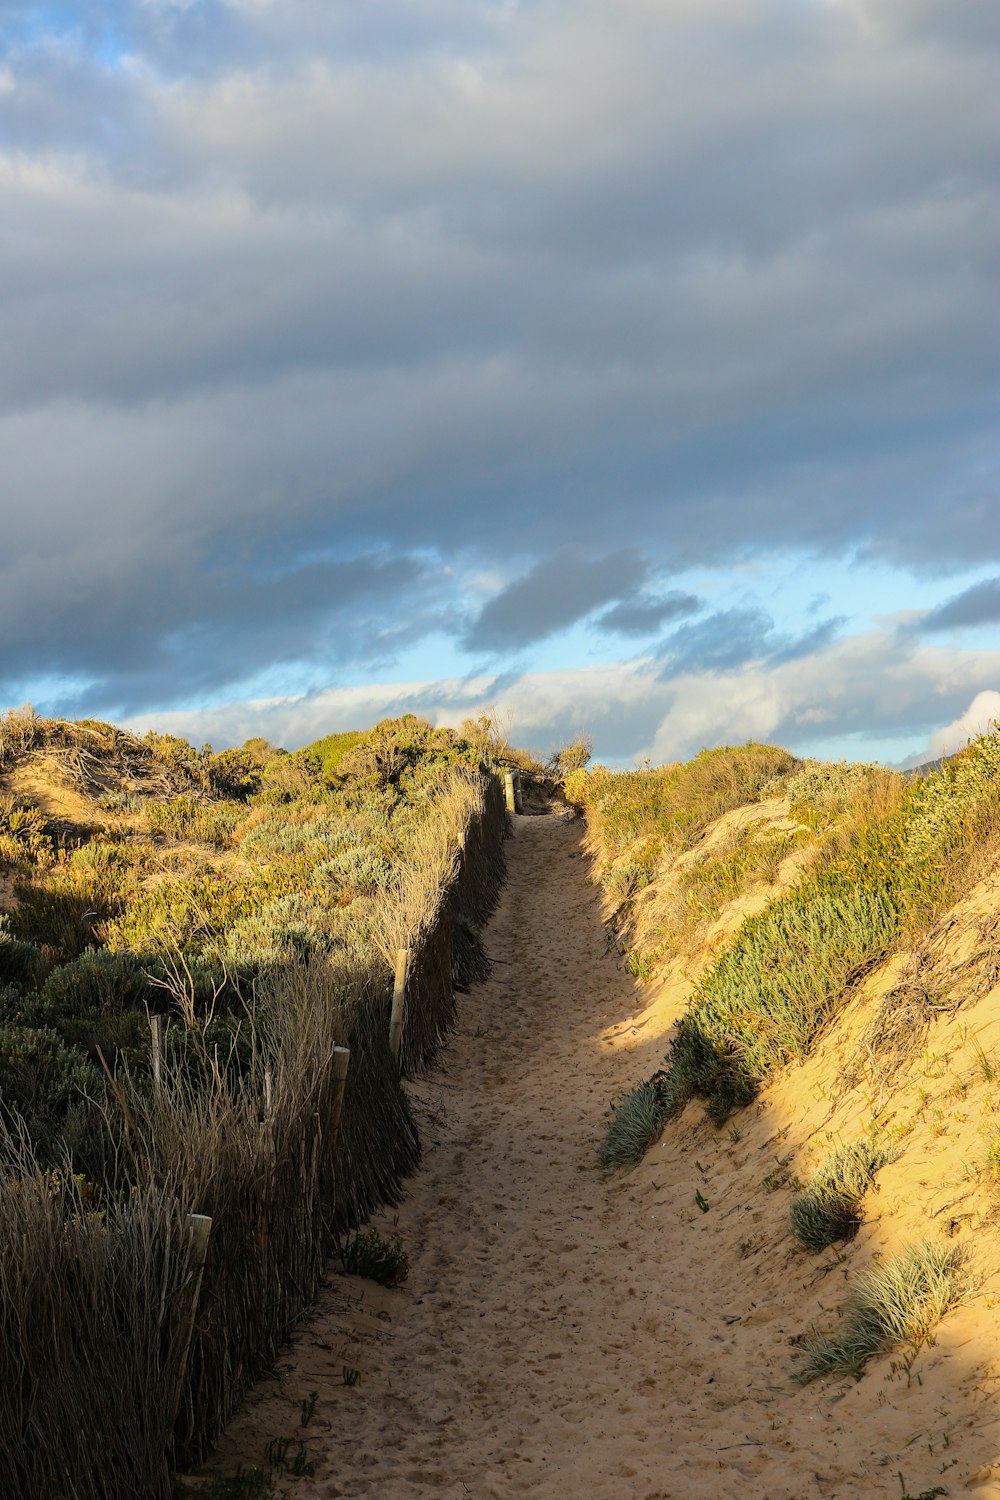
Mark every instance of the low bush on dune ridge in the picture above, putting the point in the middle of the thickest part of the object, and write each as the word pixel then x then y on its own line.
pixel 895 1305
pixel 673 805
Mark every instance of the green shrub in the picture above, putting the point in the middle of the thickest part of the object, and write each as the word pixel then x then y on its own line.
pixel 297 925
pixel 20 962
pixel 201 822
pixel 234 775
pixel 24 837
pixel 573 757
pixel 895 1304
pixel 41 1078
pixel 359 868
pixel 828 1208
pixel 332 750
pixel 677 802
pixel 62 913
pixel 367 1253
pixel 826 788
pixel 192 914
pixel 627 878
pixel 99 983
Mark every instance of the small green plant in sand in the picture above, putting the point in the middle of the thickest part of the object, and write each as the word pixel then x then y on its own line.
pixel 931 1494
pixel 290 1455
pixel 828 1209
pixel 993 1156
pixel 894 1305
pixel 350 1375
pixel 245 1484
pixel 367 1253
pixel 308 1408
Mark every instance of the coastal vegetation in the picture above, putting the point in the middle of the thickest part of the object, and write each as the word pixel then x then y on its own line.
pixel 187 937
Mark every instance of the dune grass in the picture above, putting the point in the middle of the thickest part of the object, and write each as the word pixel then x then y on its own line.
pixel 673 805
pixel 897 1304
pixel 636 1121
pixel 828 1209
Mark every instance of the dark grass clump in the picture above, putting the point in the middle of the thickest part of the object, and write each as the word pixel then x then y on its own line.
pixel 636 1122
pixel 829 1208
pixel 894 1305
pixel 20 962
pixel 367 1253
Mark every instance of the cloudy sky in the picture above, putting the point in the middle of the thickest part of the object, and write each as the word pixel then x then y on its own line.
pixel 628 364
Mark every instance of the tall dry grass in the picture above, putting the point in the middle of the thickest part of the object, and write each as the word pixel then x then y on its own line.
pixel 91 1333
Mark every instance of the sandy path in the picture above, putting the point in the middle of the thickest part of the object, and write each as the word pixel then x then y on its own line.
pixel 562 1334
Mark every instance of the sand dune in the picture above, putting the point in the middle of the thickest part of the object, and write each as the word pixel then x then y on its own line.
pixel 563 1334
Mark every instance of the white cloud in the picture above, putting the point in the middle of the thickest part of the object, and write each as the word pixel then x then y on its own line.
pixel 982 714
pixel 877 685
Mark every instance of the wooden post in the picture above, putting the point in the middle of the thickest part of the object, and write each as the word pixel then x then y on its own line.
pixel 268 1091
pixel 341 1058
pixel 518 795
pixel 156 1033
pixel 398 1003
pixel 508 791
pixel 201 1227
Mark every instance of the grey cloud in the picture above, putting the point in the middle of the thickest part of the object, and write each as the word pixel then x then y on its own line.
pixel 646 613
pixel 450 279
pixel 168 636
pixel 557 592
pixel 813 641
pixel 979 605
pixel 724 640
pixel 729 638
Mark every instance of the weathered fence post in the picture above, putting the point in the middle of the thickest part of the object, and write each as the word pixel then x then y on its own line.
pixel 341 1059
pixel 508 791
pixel 518 794
pixel 201 1227
pixel 398 1002
pixel 268 1091
pixel 156 1035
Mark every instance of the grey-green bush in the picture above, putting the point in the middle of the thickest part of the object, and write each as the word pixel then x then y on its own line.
pixel 895 1304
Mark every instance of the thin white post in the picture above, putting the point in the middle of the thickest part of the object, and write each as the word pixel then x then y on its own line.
pixel 341 1059
pixel 398 1002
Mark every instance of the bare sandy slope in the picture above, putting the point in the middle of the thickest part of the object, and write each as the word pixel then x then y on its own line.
pixel 565 1335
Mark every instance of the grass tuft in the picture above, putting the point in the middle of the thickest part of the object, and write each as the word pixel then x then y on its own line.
pixel 828 1209
pixel 367 1253
pixel 635 1123
pixel 896 1304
